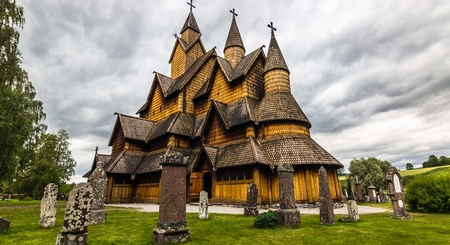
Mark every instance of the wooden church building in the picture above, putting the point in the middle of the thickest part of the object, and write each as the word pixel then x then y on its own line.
pixel 233 116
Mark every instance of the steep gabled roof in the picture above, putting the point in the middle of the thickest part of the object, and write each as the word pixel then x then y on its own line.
pixel 275 59
pixel 150 162
pixel 98 158
pixel 242 68
pixel 235 113
pixel 296 150
pixel 277 106
pixel 186 46
pixel 127 162
pixel 234 36
pixel 200 121
pixel 190 23
pixel 178 123
pixel 242 152
pixel 133 127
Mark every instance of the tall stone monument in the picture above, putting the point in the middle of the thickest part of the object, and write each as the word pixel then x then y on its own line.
pixel 98 181
pixel 252 197
pixel 396 191
pixel 288 216
pixel 171 226
pixel 350 195
pixel 203 205
pixel 76 219
pixel 48 206
pixel 358 190
pixel 371 191
pixel 325 203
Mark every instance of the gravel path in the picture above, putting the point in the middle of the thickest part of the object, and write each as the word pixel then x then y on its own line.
pixel 223 209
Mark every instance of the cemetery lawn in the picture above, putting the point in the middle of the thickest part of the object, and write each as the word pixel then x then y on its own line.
pixel 128 226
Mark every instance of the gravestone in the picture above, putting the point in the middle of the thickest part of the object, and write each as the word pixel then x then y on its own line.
pixel 383 196
pixel 397 195
pixel 203 205
pixel 171 225
pixel 358 191
pixel 372 193
pixel 4 224
pixel 48 206
pixel 325 203
pixel 288 216
pixel 350 195
pixel 76 219
pixel 98 181
pixel 252 196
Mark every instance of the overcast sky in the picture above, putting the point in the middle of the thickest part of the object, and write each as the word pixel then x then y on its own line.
pixel 372 76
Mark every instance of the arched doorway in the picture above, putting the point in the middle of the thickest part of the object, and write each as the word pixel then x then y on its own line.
pixel 207 183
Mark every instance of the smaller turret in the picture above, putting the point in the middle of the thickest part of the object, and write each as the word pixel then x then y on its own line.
pixel 234 49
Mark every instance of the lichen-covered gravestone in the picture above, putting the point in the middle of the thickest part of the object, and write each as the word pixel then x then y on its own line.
pixel 171 226
pixel 287 216
pixel 325 203
pixel 76 219
pixel 48 206
pixel 252 197
pixel 98 181
pixel 4 224
pixel 353 214
pixel 397 195
pixel 203 205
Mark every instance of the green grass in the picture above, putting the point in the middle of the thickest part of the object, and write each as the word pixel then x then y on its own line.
pixel 404 173
pixel 128 226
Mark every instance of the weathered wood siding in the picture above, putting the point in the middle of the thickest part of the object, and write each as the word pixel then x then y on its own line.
pixel 161 107
pixel 118 142
pixel 147 193
pixel 196 83
pixel 224 91
pixel 270 129
pixel 253 83
pixel 122 193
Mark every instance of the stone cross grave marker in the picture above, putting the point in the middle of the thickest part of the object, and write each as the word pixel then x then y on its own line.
pixel 395 184
pixel 252 197
pixel 203 205
pixel 287 216
pixel 325 203
pixel 98 181
pixel 171 226
pixel 76 219
pixel 48 206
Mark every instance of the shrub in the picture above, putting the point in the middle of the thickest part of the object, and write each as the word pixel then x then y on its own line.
pixel 429 193
pixel 266 220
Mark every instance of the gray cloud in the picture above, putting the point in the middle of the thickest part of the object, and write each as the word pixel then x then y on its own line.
pixel 371 76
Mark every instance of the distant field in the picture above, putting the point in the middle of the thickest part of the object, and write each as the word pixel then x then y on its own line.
pixel 404 173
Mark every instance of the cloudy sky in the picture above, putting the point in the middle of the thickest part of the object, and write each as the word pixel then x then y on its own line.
pixel 372 76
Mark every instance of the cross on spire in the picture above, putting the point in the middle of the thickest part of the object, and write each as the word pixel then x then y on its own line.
pixel 96 150
pixel 271 27
pixel 175 35
pixel 191 4
pixel 234 13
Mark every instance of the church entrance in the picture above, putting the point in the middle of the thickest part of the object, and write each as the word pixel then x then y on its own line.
pixel 207 183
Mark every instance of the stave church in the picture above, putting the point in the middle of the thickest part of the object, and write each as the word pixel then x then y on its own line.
pixel 235 119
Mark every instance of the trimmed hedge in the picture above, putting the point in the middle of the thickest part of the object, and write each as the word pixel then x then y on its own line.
pixel 266 220
pixel 429 193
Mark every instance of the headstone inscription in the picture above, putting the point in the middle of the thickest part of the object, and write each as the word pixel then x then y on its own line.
pixel 76 219
pixel 171 225
pixel 203 205
pixel 288 216
pixel 325 203
pixel 252 196
pixel 98 181
pixel 48 206
pixel 395 184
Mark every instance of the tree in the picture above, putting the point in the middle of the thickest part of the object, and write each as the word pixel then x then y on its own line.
pixel 433 161
pixel 20 112
pixel 409 166
pixel 369 171
pixel 50 161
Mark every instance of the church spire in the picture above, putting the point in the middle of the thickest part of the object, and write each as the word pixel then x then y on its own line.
pixel 276 72
pixel 275 59
pixel 190 21
pixel 234 47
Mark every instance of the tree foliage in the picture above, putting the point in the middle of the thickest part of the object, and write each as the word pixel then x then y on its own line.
pixel 20 112
pixel 26 150
pixel 409 166
pixel 51 162
pixel 370 171
pixel 433 161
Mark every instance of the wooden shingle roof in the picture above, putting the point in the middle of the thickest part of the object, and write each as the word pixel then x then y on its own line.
pixel 178 123
pixel 275 59
pixel 238 153
pixel 99 158
pixel 133 127
pixel 296 150
pixel 235 113
pixel 190 23
pixel 127 162
pixel 278 106
pixel 150 162
pixel 234 36
pixel 242 67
